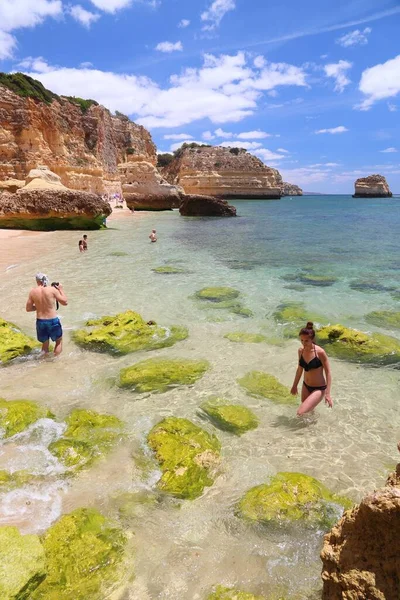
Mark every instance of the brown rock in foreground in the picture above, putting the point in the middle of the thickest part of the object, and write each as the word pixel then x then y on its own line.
pixel 361 555
pixel 373 186
pixel 205 206
pixel 52 209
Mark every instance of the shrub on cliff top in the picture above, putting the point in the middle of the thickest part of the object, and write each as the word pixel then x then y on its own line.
pixel 27 87
pixel 163 160
pixel 83 104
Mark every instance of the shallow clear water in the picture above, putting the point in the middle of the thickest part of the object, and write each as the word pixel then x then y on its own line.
pixel 181 553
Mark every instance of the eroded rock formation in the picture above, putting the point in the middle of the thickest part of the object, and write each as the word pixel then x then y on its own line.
pixel 289 189
pixel 361 554
pixel 223 173
pixel 373 186
pixel 205 206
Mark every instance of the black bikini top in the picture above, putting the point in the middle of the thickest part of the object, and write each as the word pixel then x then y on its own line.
pixel 315 363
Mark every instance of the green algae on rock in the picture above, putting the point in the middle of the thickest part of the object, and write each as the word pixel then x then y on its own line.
pixel 125 333
pixel 22 564
pixel 84 557
pixel 89 435
pixel 17 415
pixel 168 270
pixel 247 338
pixel 356 346
pixel 16 479
pixel 291 497
pixel 217 294
pixel 384 318
pixel 310 278
pixel 159 374
pixel 13 342
pixel 293 316
pixel 225 593
pixel 187 455
pixel 257 383
pixel 230 417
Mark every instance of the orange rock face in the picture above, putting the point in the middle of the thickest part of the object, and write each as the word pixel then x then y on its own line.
pixel 361 555
pixel 373 186
pixel 83 148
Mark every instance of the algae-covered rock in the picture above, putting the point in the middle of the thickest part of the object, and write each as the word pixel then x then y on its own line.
pixel 119 253
pixel 370 286
pixel 22 564
pixel 16 479
pixel 217 294
pixel 158 374
pixel 293 316
pixel 242 311
pixel 127 332
pixel 311 278
pixel 13 342
pixel 89 435
pixel 17 415
pixel 168 270
pixel 187 455
pixel 248 338
pixel 390 319
pixel 230 417
pixel 225 593
pixel 257 383
pixel 291 497
pixel 356 346
pixel 84 557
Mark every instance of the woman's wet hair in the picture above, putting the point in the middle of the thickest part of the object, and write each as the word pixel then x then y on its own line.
pixel 308 330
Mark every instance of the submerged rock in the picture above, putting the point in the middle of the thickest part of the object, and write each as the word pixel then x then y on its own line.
pixel 17 415
pixel 158 374
pixel 187 454
pixel 22 564
pixel 361 554
pixel 125 333
pixel 384 318
pixel 356 346
pixel 195 205
pixel 225 593
pixel 13 342
pixel 168 270
pixel 89 436
pixel 257 383
pixel 84 557
pixel 370 286
pixel 291 497
pixel 217 294
pixel 230 417
pixel 293 316
pixel 248 338
pixel 16 479
pixel 310 278
pixel 373 186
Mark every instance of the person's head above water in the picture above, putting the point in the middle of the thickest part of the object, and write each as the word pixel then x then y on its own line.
pixel 153 231
pixel 42 279
pixel 85 237
pixel 307 334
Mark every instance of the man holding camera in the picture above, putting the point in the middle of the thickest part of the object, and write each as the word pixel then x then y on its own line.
pixel 43 300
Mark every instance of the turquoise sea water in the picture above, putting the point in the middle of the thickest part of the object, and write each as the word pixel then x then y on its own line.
pixel 180 554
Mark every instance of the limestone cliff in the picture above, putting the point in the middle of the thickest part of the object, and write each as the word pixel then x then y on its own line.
pixel 79 140
pixel 223 173
pixel 289 189
pixel 373 186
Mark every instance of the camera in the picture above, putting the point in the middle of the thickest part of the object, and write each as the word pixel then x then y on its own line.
pixel 55 284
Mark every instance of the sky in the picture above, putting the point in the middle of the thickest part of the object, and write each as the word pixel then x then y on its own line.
pixel 312 87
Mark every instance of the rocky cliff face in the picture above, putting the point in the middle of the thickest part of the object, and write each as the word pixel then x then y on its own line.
pixel 373 186
pixel 289 189
pixel 223 173
pixel 361 555
pixel 82 145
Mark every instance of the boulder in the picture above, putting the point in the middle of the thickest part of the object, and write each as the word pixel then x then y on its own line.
pixel 205 206
pixel 257 383
pixel 13 342
pixel 290 498
pixel 188 457
pixel 52 209
pixel 125 333
pixel 43 178
pixel 224 593
pixel 22 564
pixel 11 185
pixel 17 415
pixel 229 417
pixel 361 553
pixel 373 186
pixel 158 374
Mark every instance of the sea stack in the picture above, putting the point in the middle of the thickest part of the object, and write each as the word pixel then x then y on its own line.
pixel 373 186
pixel 289 189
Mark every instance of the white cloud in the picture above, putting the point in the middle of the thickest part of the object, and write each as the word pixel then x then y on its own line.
pixel 380 82
pixel 354 38
pixel 111 6
pixel 246 145
pixel 388 150
pixel 223 134
pixel 267 155
pixel 273 93
pixel 275 74
pixel 392 107
pixel 83 16
pixel 216 12
pixel 169 47
pixel 333 130
pixel 86 65
pixel 184 23
pixel 7 45
pixel 37 64
pixel 338 72
pixel 208 136
pixel 253 135
pixel 331 164
pixel 283 151
pixel 259 62
pixel 178 136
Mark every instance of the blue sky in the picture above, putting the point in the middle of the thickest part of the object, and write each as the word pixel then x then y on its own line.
pixel 311 87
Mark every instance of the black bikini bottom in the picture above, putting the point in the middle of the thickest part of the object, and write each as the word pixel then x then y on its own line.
pixel 314 389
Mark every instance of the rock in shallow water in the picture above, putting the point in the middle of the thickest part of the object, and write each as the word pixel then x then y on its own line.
pixel 293 316
pixel 187 454
pixel 225 593
pixel 158 375
pixel 13 342
pixel 17 415
pixel 205 206
pixel 247 338
pixel 389 319
pixel 230 417
pixel 257 383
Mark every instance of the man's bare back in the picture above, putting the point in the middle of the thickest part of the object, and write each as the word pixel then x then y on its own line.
pixel 44 300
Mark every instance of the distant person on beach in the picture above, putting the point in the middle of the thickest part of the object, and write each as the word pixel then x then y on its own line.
pixel 42 300
pixel 152 236
pixel 314 361
pixel 83 244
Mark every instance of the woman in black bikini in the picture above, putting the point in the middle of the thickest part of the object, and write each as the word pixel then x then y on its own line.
pixel 314 361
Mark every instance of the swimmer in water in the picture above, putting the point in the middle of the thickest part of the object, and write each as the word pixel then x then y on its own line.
pixel 152 236
pixel 314 361
pixel 83 244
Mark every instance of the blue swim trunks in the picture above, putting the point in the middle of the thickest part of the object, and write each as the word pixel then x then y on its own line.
pixel 48 328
